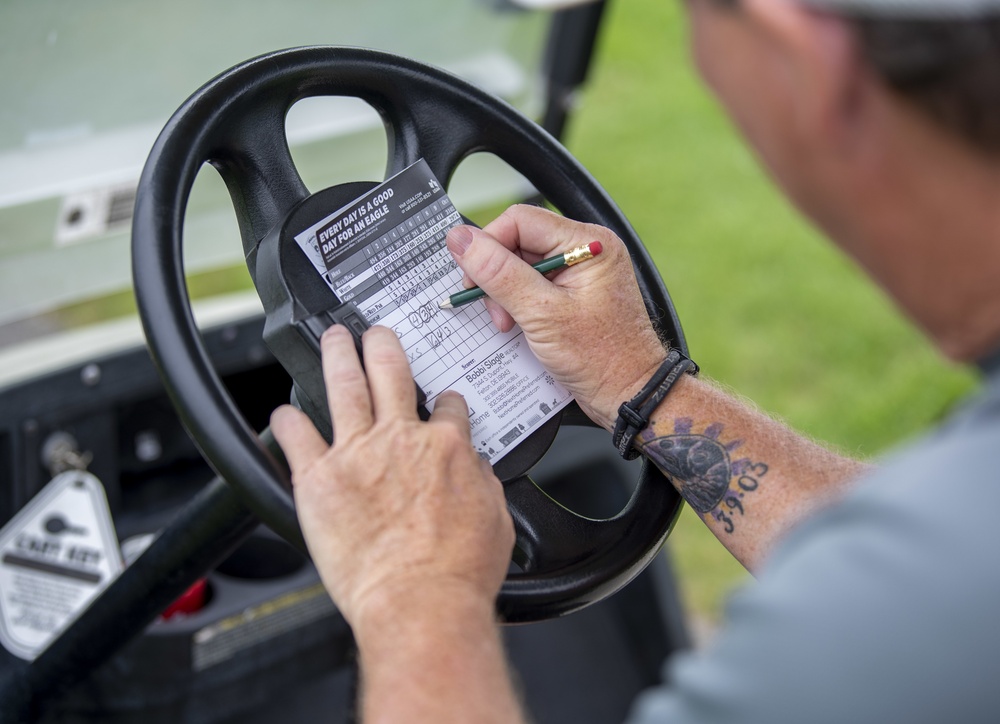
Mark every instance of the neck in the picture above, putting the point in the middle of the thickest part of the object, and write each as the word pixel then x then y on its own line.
pixel 928 230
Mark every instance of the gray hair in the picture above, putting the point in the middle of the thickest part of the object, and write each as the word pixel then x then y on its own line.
pixel 941 56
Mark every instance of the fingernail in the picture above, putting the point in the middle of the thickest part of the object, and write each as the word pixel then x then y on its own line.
pixel 459 239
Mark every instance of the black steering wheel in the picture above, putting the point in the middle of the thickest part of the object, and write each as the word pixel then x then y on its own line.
pixel 237 123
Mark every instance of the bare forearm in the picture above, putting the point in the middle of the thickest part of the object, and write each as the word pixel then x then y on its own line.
pixel 747 476
pixel 439 661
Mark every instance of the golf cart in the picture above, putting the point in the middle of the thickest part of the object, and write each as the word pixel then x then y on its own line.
pixel 151 567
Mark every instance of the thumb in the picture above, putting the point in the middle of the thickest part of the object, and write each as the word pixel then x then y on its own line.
pixel 505 277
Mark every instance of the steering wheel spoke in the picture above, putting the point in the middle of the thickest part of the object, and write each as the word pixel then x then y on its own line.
pixel 262 179
pixel 440 135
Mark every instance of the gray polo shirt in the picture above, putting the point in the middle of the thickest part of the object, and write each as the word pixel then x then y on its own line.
pixel 883 608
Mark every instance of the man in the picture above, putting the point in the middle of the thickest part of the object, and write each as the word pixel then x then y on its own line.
pixel 881 120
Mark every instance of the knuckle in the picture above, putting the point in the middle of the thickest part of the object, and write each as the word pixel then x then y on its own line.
pixel 525 209
pixel 384 357
pixel 378 337
pixel 396 430
pixel 378 331
pixel 515 210
pixel 611 241
pixel 496 265
pixel 348 378
pixel 453 398
pixel 382 350
pixel 451 437
pixel 345 442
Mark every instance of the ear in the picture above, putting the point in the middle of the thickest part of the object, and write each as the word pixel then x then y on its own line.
pixel 822 63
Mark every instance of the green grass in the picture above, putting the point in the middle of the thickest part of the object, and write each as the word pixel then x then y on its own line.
pixel 119 304
pixel 769 308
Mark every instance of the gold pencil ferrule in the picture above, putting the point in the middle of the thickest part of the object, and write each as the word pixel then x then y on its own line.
pixel 575 256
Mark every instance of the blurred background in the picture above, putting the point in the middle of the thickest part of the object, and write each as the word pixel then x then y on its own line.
pixel 770 309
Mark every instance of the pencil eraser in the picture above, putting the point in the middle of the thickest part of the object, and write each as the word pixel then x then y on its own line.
pixel 596 248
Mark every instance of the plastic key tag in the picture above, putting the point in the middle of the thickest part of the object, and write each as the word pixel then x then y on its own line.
pixel 56 556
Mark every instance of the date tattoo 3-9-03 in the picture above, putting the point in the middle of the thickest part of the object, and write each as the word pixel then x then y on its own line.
pixel 703 469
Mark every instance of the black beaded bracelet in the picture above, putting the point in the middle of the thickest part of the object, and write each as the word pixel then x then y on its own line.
pixel 633 416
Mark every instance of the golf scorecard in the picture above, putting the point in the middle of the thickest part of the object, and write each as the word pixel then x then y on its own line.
pixel 385 252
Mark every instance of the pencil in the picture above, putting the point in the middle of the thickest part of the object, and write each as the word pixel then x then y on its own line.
pixel 574 256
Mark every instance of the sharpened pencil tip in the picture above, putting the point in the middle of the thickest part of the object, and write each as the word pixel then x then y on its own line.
pixel 445 304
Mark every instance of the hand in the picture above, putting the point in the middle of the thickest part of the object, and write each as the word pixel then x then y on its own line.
pixel 587 324
pixel 396 506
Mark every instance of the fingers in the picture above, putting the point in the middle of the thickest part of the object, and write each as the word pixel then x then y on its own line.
pixel 538 233
pixel 346 385
pixel 390 380
pixel 506 278
pixel 500 316
pixel 357 395
pixel 450 408
pixel 535 233
pixel 299 439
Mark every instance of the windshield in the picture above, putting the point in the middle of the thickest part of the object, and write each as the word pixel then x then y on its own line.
pixel 88 86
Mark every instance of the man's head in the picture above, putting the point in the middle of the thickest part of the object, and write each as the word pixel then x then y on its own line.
pixel 881 120
pixel 943 57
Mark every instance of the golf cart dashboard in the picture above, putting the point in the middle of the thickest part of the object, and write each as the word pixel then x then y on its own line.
pixel 111 409
pixel 256 624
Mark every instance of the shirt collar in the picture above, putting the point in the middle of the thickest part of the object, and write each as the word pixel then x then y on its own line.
pixel 990 364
